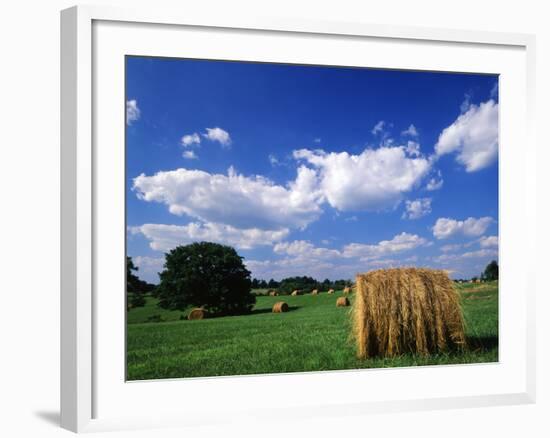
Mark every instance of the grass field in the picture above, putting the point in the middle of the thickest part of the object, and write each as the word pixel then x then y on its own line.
pixel 312 336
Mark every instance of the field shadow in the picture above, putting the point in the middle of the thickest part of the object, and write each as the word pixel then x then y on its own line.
pixel 482 343
pixel 267 310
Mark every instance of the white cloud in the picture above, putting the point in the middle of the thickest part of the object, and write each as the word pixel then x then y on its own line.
pixel 273 160
pixel 166 237
pixel 412 148
pixel 317 140
pixel 435 183
pixel 417 208
pixel 219 135
pixel 410 131
pixel 190 139
pixel 446 227
pixel 488 241
pixel 133 112
pixel 473 136
pixel 400 243
pixel 233 199
pixel 451 247
pixel 479 254
pixel 190 155
pixel 379 127
pixel 374 180
pixel 494 91
pixel 303 248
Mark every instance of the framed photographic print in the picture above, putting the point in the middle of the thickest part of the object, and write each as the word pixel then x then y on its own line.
pixel 253 205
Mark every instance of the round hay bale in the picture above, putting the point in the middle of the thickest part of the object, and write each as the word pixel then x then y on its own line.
pixel 295 293
pixel 280 307
pixel 342 302
pixel 314 292
pixel 197 313
pixel 330 291
pixel 273 293
pixel 406 310
pixel 347 290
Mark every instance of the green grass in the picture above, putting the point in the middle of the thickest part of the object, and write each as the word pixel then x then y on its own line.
pixel 312 336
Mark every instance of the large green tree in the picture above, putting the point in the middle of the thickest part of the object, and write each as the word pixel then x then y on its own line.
pixel 135 288
pixel 205 274
pixel 491 271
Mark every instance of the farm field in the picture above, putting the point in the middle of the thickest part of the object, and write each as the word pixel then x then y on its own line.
pixel 312 336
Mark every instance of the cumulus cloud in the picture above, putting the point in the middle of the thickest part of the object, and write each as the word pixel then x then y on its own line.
pixel 473 136
pixel 417 208
pixel 374 180
pixel 273 160
pixel 400 243
pixel 303 248
pixel 451 247
pixel 435 183
pixel 379 127
pixel 219 135
pixel 164 237
pixel 190 139
pixel 234 199
pixel 479 254
pixel 413 148
pixel 447 227
pixel 133 113
pixel 410 131
pixel 190 155
pixel 488 242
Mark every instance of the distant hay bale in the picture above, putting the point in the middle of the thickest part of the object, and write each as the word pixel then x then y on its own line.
pixel 295 293
pixel 273 293
pixel 347 290
pixel 342 302
pixel 280 307
pixel 314 292
pixel 197 313
pixel 406 310
pixel 330 291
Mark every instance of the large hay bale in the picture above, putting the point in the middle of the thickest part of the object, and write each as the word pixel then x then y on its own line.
pixel 347 290
pixel 314 292
pixel 280 307
pixel 406 310
pixel 295 293
pixel 342 302
pixel 330 291
pixel 197 313
pixel 273 293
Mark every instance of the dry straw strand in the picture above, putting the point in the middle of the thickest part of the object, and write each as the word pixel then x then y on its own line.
pixel 280 307
pixel 406 310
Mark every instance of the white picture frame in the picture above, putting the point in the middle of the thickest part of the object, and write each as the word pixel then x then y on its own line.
pixel 92 392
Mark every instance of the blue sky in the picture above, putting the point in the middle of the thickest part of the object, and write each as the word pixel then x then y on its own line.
pixel 311 170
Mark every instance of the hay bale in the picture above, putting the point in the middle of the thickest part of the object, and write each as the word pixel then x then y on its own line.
pixel 406 310
pixel 347 290
pixel 280 307
pixel 295 293
pixel 273 293
pixel 342 302
pixel 197 313
pixel 330 291
pixel 314 292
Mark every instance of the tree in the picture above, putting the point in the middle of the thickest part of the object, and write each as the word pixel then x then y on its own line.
pixel 208 275
pixel 135 288
pixel 272 284
pixel 491 271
